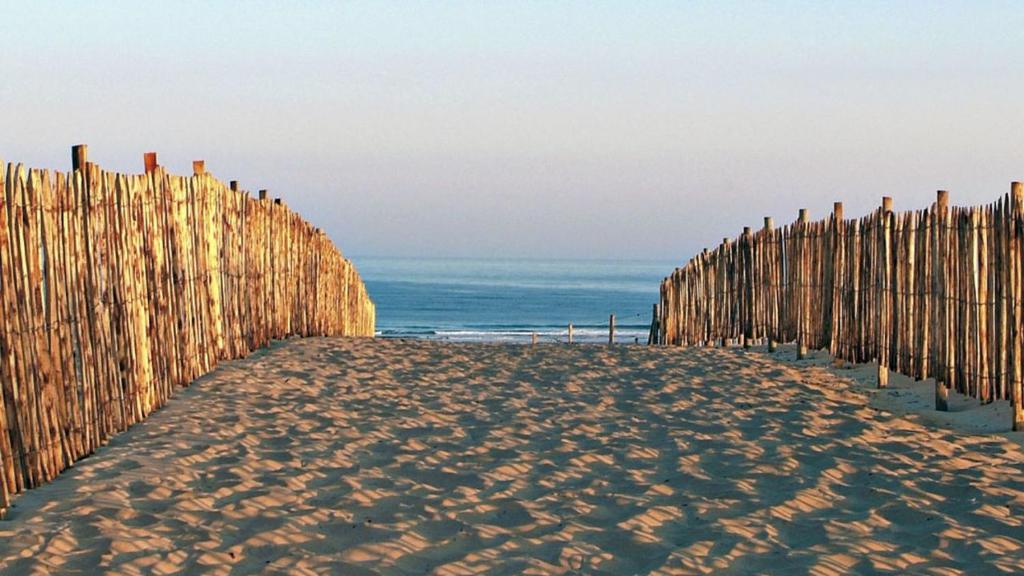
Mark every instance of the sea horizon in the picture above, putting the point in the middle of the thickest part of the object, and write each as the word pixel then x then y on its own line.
pixel 508 300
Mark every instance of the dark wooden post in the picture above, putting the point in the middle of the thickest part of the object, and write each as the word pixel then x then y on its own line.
pixel 940 254
pixel 724 297
pixel 233 185
pixel 149 160
pixel 884 296
pixel 805 293
pixel 838 244
pixel 263 194
pixel 769 289
pixel 747 287
pixel 199 167
pixel 611 330
pixel 79 156
pixel 1017 212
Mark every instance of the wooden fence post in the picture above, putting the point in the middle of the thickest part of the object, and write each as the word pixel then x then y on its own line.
pixel 1017 211
pixel 570 333
pixel 198 167
pixel 804 292
pixel 149 160
pixel 233 185
pixel 263 194
pixel 747 285
pixel 884 296
pixel 79 157
pixel 655 336
pixel 940 255
pixel 838 244
pixel 611 330
pixel 771 315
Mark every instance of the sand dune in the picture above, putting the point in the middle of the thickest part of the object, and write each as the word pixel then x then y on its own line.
pixel 362 457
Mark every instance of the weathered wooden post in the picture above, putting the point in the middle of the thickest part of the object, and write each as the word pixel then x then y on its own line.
pixel 233 185
pixel 838 243
pixel 940 217
pixel 654 338
pixel 149 160
pixel 198 167
pixel 79 156
pixel 263 194
pixel 611 330
pixel 884 296
pixel 769 289
pixel 570 333
pixel 1017 212
pixel 747 279
pixel 726 296
pixel 804 293
pixel 533 339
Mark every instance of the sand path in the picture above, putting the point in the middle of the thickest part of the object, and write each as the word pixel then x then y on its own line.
pixel 362 457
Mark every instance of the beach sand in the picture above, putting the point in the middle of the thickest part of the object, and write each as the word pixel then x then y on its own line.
pixel 409 457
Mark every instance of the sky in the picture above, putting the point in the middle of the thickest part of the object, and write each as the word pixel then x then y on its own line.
pixel 642 130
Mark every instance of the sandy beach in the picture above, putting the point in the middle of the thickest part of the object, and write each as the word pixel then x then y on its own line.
pixel 409 457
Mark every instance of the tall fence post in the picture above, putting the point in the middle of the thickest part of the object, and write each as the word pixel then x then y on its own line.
pixel 771 314
pixel 79 157
pixel 803 291
pixel 940 224
pixel 198 167
pixel 263 194
pixel 1017 212
pixel 746 288
pixel 838 248
pixel 149 161
pixel 884 292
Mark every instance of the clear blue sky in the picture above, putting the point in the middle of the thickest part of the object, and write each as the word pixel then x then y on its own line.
pixel 590 129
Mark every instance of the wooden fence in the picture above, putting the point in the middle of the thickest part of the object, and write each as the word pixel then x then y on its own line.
pixel 927 293
pixel 118 288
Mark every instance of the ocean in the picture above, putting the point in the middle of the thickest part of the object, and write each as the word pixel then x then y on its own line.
pixel 507 300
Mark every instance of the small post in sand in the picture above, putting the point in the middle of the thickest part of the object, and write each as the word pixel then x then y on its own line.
pixel 79 156
pixel 883 294
pixel 149 160
pixel 533 339
pixel 1017 212
pixel 654 336
pixel 570 333
pixel 939 219
pixel 611 330
pixel 198 167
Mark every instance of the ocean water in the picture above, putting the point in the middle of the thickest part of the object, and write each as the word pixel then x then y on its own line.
pixel 504 300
